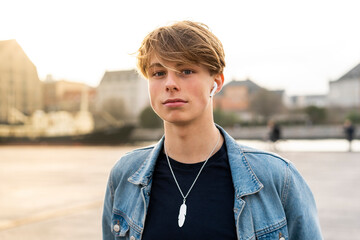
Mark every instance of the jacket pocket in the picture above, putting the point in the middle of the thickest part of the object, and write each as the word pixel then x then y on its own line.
pixel 119 226
pixel 277 234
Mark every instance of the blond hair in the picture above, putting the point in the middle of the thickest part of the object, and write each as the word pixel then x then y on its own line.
pixel 182 42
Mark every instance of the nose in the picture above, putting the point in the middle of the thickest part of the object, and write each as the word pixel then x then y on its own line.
pixel 171 83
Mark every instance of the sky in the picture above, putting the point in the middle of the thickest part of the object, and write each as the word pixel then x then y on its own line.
pixel 297 46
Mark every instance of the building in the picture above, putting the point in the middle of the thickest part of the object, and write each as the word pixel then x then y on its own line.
pixel 235 96
pixel 122 94
pixel 20 87
pixel 345 92
pixel 306 101
pixel 249 101
pixel 62 95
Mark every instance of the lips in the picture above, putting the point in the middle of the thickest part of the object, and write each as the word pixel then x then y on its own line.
pixel 175 102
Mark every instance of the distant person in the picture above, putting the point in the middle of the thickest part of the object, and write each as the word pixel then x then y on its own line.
pixel 274 132
pixel 349 131
pixel 197 182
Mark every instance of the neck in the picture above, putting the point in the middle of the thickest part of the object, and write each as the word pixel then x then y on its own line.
pixel 191 143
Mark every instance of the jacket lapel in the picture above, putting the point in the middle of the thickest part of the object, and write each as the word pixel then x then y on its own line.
pixel 245 183
pixel 144 174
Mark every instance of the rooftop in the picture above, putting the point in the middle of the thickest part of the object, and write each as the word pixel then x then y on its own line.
pixel 353 73
pixel 247 83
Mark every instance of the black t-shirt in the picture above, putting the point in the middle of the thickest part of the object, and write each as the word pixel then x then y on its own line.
pixel 209 205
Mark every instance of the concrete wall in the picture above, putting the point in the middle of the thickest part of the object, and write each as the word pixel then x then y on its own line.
pixel 288 132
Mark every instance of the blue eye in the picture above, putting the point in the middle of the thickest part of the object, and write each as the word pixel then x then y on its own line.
pixel 158 74
pixel 187 72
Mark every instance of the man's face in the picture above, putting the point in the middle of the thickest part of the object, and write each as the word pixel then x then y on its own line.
pixel 180 93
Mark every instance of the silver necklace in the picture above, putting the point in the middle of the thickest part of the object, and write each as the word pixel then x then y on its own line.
pixel 183 207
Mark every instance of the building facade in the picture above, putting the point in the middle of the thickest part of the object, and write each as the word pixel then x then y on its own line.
pixel 235 96
pixel 123 94
pixel 345 92
pixel 20 87
pixel 306 101
pixel 62 95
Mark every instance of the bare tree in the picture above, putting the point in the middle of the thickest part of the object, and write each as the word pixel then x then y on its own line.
pixel 266 103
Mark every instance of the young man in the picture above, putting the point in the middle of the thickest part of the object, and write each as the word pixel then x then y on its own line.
pixel 197 182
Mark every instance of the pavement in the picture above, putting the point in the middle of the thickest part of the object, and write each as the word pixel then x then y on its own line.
pixel 49 192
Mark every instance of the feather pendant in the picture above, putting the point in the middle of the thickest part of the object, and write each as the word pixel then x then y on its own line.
pixel 182 214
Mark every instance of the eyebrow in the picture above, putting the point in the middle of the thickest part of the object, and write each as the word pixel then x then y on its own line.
pixel 156 64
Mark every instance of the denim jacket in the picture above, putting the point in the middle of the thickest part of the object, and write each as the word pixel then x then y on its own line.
pixel 272 200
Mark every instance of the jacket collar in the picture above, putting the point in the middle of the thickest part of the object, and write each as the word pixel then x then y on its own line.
pixel 244 179
pixel 144 174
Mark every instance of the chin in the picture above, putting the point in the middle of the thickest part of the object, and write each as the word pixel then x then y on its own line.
pixel 180 121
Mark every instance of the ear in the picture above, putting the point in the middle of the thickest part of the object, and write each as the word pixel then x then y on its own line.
pixel 219 79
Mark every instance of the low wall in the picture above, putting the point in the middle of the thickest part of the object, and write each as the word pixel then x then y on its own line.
pixel 291 132
pixel 287 132
pixel 143 134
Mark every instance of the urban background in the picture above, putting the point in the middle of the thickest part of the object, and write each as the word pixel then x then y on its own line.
pixel 48 190
pixel 34 110
pixel 60 134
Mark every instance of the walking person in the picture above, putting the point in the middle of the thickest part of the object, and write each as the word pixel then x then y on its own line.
pixel 349 131
pixel 274 132
pixel 197 182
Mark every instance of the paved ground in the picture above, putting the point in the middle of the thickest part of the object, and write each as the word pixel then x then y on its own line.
pixel 57 192
pixel 334 178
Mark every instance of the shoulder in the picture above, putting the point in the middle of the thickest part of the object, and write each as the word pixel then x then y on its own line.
pixel 259 162
pixel 135 154
pixel 130 162
pixel 267 166
pixel 264 157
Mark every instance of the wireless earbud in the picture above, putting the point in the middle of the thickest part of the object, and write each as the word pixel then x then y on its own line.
pixel 213 90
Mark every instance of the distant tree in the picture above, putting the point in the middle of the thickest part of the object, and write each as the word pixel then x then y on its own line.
pixel 353 116
pixel 266 104
pixel 336 115
pixel 316 114
pixel 149 119
pixel 225 119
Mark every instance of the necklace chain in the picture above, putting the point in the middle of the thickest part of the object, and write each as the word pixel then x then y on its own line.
pixel 172 172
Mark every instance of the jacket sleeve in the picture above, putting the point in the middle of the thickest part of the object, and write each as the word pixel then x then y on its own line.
pixel 300 207
pixel 107 212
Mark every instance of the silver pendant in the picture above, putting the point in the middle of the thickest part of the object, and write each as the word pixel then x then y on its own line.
pixel 182 214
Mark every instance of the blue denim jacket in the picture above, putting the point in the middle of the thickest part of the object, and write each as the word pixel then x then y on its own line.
pixel 272 200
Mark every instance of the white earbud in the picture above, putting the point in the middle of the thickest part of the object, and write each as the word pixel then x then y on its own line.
pixel 213 90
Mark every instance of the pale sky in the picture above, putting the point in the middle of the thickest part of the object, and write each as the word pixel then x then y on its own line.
pixel 280 44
